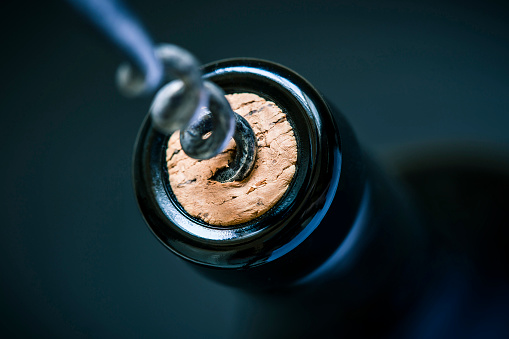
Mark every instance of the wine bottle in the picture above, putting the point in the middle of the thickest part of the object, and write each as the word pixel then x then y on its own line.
pixel 342 253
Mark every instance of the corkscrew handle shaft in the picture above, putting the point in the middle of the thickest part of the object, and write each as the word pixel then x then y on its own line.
pixel 116 22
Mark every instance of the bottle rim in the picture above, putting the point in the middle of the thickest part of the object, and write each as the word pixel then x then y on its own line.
pixel 297 213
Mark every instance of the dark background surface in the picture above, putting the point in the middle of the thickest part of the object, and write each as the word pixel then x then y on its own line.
pixel 75 255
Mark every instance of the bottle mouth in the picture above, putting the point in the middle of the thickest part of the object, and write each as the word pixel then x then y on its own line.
pixel 291 219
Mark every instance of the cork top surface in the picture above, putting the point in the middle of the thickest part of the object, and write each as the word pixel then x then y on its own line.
pixel 232 203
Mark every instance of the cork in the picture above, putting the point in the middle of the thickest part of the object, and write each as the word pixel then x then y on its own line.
pixel 237 202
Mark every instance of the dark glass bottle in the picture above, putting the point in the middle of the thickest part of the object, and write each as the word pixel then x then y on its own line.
pixel 341 254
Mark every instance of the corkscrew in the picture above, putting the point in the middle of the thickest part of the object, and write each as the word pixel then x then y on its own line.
pixel 184 101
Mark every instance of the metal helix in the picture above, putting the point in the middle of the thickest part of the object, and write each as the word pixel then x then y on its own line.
pixel 197 108
pixel 187 103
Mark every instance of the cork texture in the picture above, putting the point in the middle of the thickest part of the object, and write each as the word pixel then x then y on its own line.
pixel 232 203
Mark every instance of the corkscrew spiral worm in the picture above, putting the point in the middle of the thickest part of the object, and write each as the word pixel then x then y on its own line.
pixel 185 102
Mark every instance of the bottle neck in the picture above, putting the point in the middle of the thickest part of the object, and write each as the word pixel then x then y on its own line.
pixel 336 210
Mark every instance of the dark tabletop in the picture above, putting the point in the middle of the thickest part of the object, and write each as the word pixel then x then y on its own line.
pixel 76 257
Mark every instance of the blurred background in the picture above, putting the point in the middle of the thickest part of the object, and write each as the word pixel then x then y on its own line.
pixel 76 257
